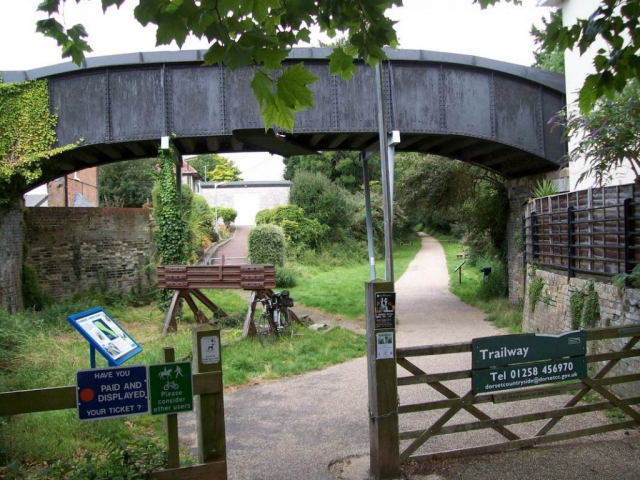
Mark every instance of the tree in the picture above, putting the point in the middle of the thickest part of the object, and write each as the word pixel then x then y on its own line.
pixel 205 164
pixel 322 200
pixel 547 60
pixel 607 136
pixel 341 167
pixel 453 197
pixel 225 171
pixel 256 33
pixel 127 184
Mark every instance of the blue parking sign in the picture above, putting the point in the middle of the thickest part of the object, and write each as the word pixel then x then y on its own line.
pixel 112 392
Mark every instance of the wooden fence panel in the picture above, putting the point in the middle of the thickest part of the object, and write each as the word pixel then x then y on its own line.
pixel 590 231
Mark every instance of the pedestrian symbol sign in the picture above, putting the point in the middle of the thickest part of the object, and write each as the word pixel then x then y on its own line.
pixel 111 392
pixel 170 388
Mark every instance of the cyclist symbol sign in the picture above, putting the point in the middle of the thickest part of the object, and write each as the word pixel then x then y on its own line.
pixel 170 388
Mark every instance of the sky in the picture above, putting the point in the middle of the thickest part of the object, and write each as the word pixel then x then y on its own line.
pixel 455 26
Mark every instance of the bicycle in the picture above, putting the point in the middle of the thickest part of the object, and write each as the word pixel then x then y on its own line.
pixel 275 320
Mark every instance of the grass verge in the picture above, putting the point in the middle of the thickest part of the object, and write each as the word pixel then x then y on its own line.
pixel 40 349
pixel 340 289
pixel 500 312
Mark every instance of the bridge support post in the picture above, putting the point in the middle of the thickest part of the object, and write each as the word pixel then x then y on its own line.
pixel 384 443
pixel 384 168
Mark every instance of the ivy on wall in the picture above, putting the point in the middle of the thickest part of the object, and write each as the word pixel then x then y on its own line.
pixel 172 233
pixel 584 307
pixel 27 132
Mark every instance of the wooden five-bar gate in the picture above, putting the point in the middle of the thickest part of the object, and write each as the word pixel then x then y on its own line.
pixel 598 381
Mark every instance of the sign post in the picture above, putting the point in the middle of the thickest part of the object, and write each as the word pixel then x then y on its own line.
pixel 210 406
pixel 383 383
pixel 111 392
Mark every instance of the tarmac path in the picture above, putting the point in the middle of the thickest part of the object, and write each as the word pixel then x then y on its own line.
pixel 295 428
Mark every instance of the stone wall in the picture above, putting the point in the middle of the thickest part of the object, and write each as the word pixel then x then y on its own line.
pixel 11 253
pixel 552 314
pixel 76 249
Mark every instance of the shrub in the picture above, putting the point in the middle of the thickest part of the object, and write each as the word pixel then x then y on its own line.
pixel 298 229
pixel 286 277
pixel 228 214
pixel 232 321
pixel 497 285
pixel 322 200
pixel 32 292
pixel 266 245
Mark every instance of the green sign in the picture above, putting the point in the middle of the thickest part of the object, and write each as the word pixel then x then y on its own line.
pixel 508 349
pixel 170 388
pixel 528 374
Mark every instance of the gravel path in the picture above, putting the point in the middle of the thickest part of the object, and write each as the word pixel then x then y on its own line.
pixel 294 429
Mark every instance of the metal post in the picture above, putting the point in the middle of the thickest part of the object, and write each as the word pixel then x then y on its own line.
pixel 533 237
pixel 92 355
pixel 626 206
pixel 384 167
pixel 570 242
pixel 393 140
pixel 367 207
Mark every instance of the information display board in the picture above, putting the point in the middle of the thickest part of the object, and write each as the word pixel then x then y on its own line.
pixel 515 361
pixel 105 335
pixel 112 392
pixel 170 388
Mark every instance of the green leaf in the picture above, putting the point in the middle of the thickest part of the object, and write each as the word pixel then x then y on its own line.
pixel 587 96
pixel 292 89
pixel 77 31
pixel 108 3
pixel 215 54
pixel 340 63
pixel 236 55
pixel 52 28
pixel 278 115
pixel 49 6
pixel 262 86
pixel 304 35
pixel 271 58
pixel 172 28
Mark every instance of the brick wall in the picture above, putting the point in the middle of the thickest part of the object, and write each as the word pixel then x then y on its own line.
pixel 519 194
pixel 11 252
pixel 81 186
pixel 552 314
pixel 76 249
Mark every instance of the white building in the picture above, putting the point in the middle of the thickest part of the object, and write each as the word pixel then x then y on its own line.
pixel 247 198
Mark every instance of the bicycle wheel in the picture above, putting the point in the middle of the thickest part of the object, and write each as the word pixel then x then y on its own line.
pixel 287 323
pixel 265 329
